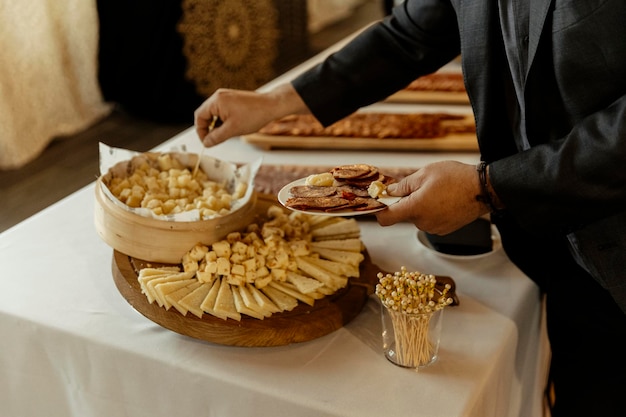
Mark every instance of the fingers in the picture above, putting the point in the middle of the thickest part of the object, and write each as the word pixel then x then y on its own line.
pixel 210 138
pixel 212 114
pixel 395 190
pixel 401 210
pixel 439 198
pixel 395 213
pixel 239 112
pixel 203 116
pixel 243 112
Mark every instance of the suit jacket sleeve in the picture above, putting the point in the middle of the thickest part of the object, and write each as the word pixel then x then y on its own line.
pixel 420 37
pixel 574 174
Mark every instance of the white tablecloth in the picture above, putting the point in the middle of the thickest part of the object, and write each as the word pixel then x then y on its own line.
pixel 72 346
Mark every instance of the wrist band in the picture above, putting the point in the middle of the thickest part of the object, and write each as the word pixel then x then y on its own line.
pixel 485 195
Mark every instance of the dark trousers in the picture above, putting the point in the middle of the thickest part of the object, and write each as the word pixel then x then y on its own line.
pixel 586 328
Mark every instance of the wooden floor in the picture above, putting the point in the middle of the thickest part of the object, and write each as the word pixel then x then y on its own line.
pixel 71 163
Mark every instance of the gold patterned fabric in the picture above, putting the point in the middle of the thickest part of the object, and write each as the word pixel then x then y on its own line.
pixel 230 43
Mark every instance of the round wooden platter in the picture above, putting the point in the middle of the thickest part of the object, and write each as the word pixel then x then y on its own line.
pixel 302 324
pixel 299 325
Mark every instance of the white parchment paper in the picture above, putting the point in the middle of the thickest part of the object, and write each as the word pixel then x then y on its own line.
pixel 119 162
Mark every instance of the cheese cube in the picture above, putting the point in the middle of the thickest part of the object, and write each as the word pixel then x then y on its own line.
pixel 222 249
pixel 240 248
pixel 279 274
pixel 237 269
pixel 223 266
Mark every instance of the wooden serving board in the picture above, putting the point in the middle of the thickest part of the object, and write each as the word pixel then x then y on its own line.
pixel 429 97
pixel 465 142
pixel 299 325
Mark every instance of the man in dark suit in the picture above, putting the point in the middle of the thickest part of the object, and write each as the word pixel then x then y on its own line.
pixel 547 83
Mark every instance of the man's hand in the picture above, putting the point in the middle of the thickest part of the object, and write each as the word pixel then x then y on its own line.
pixel 242 112
pixel 439 198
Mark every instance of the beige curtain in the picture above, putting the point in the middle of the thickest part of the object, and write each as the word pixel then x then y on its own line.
pixel 48 74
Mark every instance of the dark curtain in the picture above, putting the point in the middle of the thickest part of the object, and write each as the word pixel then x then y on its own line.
pixel 141 62
pixel 141 65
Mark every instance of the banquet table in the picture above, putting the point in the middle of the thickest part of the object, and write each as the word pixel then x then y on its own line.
pixel 71 345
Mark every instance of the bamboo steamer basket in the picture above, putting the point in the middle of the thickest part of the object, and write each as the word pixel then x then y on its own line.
pixel 161 241
pixel 157 240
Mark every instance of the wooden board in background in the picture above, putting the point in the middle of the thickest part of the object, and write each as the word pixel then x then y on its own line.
pixel 464 142
pixel 429 97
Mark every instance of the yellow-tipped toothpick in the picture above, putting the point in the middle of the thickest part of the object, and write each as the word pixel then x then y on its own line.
pixel 195 169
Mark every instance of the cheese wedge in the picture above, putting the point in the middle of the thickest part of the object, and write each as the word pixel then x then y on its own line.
pixel 340 228
pixel 225 302
pixel 354 235
pixel 250 302
pixel 147 274
pixel 193 300
pixel 304 284
pixel 158 271
pixel 292 291
pixel 262 300
pixel 319 294
pixel 284 301
pixel 339 268
pixel 164 288
pixel 330 279
pixel 352 245
pixel 326 291
pixel 175 297
pixel 341 256
pixel 151 284
pixel 241 307
pixel 208 305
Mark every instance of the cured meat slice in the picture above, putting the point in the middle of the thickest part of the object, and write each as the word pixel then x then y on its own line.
pixel 312 191
pixel 350 191
pixel 317 203
pixel 347 189
pixel 361 204
pixel 353 171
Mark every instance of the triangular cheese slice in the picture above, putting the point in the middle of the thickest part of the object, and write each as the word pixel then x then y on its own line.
pixel 164 288
pixel 240 306
pixel 341 256
pixel 284 301
pixel 331 280
pixel 340 228
pixel 149 286
pixel 193 300
pixel 175 297
pixel 208 304
pixel 263 301
pixel 351 245
pixel 250 302
pixel 147 274
pixel 225 302
pixel 337 268
pixel 292 291
pixel 304 284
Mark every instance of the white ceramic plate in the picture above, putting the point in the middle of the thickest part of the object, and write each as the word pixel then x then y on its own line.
pixel 285 194
pixel 422 240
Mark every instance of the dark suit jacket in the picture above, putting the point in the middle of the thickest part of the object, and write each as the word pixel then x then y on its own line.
pixel 571 184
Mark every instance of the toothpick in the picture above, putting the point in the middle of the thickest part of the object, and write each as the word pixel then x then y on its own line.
pixel 195 169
